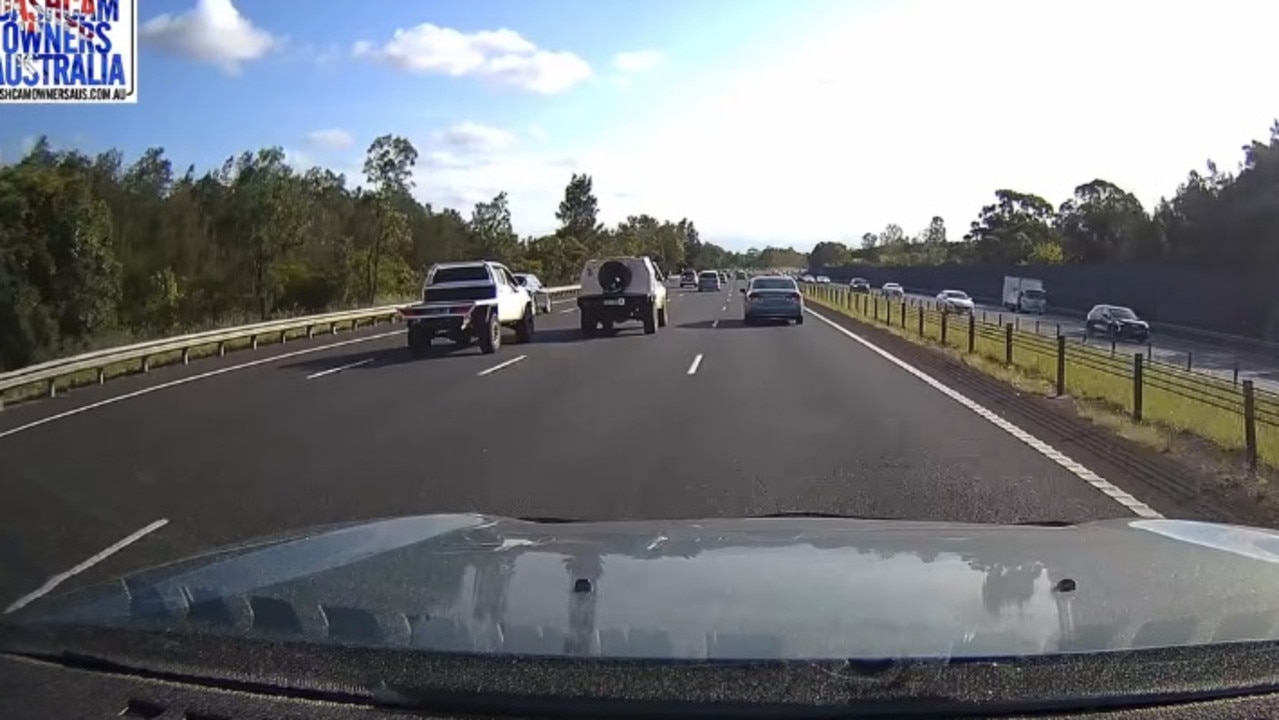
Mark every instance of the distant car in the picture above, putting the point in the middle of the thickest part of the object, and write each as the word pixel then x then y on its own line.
pixel 861 285
pixel 893 291
pixel 772 297
pixel 708 281
pixel 807 279
pixel 541 297
pixel 741 274
pixel 688 278
pixel 954 301
pixel 1116 322
pixel 723 277
pixel 823 279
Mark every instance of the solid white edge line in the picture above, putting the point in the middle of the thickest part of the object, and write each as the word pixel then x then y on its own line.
pixel 193 378
pixel 1110 490
pixel 499 366
pixel 330 371
pixel 697 362
pixel 53 582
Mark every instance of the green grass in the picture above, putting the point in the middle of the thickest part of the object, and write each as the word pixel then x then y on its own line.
pixel 1172 398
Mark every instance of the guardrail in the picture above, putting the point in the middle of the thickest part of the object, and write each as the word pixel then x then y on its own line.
pixel 141 357
pixel 1234 414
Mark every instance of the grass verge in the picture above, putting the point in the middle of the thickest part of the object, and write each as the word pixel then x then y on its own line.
pixel 1191 418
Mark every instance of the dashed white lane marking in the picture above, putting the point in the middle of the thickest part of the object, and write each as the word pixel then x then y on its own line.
pixel 724 309
pixel 62 577
pixel 1133 504
pixel 569 310
pixel 697 362
pixel 193 378
pixel 499 366
pixel 715 324
pixel 339 369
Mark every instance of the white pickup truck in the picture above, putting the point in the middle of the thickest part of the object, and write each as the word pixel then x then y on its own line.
pixel 469 302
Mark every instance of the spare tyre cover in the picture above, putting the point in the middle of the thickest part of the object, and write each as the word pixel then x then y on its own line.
pixel 614 276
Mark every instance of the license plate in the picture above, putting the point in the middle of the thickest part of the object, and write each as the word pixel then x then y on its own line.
pixel 615 301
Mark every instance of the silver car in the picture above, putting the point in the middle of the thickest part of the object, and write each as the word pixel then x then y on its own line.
pixel 772 297
pixel 541 297
pixel 954 301
pixel 893 291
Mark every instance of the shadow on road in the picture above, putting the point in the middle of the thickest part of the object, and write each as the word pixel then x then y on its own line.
pixel 379 359
pixel 733 324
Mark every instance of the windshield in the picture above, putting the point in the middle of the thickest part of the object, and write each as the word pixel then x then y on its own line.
pixel 261 311
pixel 773 284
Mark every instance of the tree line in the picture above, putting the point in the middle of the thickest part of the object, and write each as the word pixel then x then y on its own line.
pixel 94 252
pixel 1216 221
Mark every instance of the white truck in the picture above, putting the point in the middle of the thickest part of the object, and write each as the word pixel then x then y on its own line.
pixel 469 302
pixel 1022 294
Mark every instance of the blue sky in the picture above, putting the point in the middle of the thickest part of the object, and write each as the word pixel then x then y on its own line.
pixel 761 120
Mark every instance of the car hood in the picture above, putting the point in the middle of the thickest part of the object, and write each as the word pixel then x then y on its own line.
pixel 765 588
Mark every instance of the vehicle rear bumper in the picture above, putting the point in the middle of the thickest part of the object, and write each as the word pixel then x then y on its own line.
pixel 607 307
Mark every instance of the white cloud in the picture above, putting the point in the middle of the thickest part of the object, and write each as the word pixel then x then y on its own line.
pixel 501 54
pixel 849 129
pixel 300 160
pixel 213 31
pixel 332 138
pixel 534 183
pixel 474 136
pixel 637 61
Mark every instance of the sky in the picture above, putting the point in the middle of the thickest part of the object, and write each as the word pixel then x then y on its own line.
pixel 764 121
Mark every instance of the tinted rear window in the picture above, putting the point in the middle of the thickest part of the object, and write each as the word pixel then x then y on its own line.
pixel 461 274
pixel 710 276
pixel 773 284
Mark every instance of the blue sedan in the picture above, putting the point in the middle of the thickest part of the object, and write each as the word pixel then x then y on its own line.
pixel 773 297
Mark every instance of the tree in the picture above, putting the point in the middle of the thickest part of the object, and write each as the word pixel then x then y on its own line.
pixel 1007 231
pixel 935 233
pixel 492 233
pixel 1102 221
pixel 579 210
pixel 388 166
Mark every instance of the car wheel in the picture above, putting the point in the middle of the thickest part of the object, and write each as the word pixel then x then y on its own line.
pixel 524 330
pixel 491 335
pixel 588 325
pixel 418 346
pixel 661 317
pixel 799 320
pixel 650 321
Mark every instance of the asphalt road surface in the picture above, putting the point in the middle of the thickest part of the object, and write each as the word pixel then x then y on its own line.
pixel 1260 367
pixel 706 418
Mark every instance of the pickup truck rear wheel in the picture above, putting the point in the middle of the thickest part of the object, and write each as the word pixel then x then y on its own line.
pixel 588 325
pixel 650 320
pixel 524 328
pixel 490 335
pixel 419 345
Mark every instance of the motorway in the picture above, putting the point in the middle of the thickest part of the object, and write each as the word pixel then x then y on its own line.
pixel 1259 366
pixel 708 417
